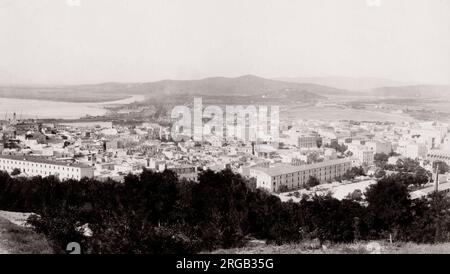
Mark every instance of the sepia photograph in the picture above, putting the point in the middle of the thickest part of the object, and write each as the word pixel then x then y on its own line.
pixel 204 129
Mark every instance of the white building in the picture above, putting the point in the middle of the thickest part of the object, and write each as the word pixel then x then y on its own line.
pixel 295 177
pixel 37 166
pixel 306 141
pixel 379 146
pixel 432 138
pixel 439 155
pixel 364 156
pixel 416 151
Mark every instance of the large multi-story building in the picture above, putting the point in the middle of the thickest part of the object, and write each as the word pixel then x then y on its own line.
pixel 429 137
pixel 38 166
pixel 294 177
pixel 364 156
pixel 306 141
pixel 379 146
pixel 416 151
pixel 328 138
pixel 439 155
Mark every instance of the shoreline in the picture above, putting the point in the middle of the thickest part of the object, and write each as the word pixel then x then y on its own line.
pixel 45 109
pixel 122 100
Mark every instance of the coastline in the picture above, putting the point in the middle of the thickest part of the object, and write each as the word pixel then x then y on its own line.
pixel 46 109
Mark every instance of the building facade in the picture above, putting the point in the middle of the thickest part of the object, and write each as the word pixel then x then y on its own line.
pixel 365 157
pixel 36 166
pixel 439 155
pixel 416 151
pixel 379 147
pixel 308 141
pixel 284 176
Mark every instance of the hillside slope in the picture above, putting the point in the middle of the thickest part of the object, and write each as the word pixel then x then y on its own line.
pixel 247 85
pixel 347 83
pixel 15 239
pixel 353 248
pixel 418 91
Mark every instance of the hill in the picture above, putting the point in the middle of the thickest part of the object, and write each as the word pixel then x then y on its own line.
pixel 16 239
pixel 346 83
pixel 244 86
pixel 417 91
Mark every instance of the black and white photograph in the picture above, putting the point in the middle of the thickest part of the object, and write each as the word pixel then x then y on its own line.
pixel 218 128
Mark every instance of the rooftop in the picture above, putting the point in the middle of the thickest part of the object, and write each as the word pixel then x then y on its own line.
pixel 36 159
pixel 280 169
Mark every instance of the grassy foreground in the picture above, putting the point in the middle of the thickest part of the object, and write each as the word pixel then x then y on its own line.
pixel 354 248
pixel 15 239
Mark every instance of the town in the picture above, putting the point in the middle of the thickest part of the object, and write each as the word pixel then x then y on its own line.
pixel 343 157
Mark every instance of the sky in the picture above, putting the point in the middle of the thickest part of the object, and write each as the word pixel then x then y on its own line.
pixel 93 41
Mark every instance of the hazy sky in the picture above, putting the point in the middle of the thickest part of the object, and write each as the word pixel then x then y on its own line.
pixel 58 41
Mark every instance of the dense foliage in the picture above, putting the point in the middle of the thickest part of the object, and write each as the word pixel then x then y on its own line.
pixel 442 166
pixel 312 181
pixel 353 173
pixel 341 148
pixel 380 159
pixel 159 213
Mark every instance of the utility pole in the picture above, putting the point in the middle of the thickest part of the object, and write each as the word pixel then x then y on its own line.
pixel 436 183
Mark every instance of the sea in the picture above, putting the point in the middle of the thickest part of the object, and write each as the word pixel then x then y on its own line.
pixel 44 109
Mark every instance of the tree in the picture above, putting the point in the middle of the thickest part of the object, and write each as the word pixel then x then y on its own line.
pixel 329 219
pixel 407 179
pixel 353 172
pixel 407 165
pixel 421 176
pixel 283 188
pixel 15 172
pixel 380 174
pixel 388 206
pixel 393 153
pixel 160 213
pixel 432 219
pixel 442 167
pixel 439 212
pixel 312 181
pixel 319 142
pixel 380 159
pixel 341 148
pixel 314 158
pixel 356 195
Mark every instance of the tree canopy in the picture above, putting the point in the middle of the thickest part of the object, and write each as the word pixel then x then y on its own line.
pixel 160 213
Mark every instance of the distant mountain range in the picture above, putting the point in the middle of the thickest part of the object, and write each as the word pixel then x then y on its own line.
pixel 347 83
pixel 377 87
pixel 418 91
pixel 244 86
pixel 247 85
pixel 245 89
